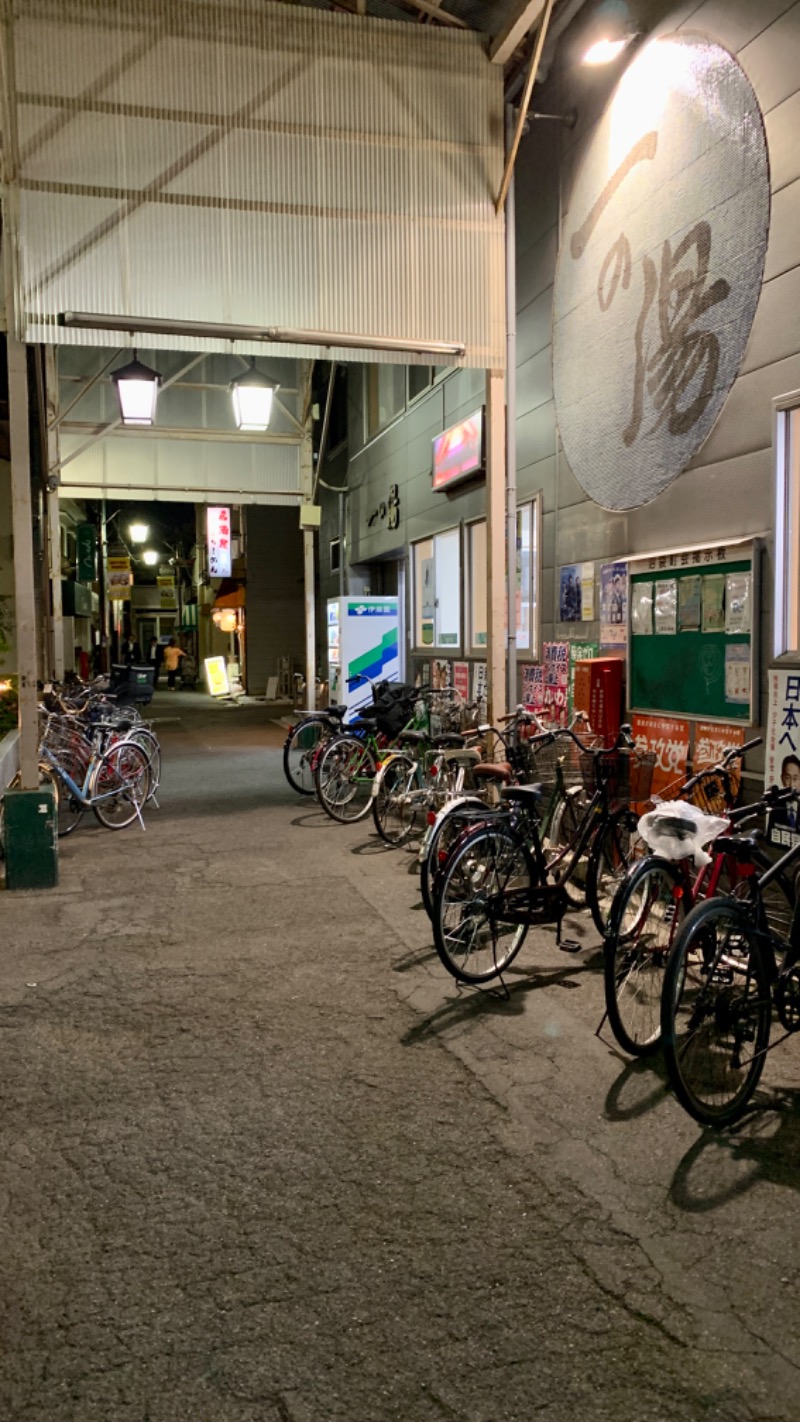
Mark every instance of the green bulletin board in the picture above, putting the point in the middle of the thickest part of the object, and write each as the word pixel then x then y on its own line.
pixel 684 672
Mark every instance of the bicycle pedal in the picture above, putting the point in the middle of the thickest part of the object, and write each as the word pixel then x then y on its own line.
pixel 570 945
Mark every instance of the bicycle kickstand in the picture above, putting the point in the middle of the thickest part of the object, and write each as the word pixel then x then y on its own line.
pixel 567 945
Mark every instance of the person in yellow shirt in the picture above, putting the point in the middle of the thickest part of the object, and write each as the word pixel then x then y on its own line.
pixel 172 657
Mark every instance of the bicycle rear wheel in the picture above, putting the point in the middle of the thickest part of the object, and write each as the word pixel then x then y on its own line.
pixel 647 911
pixel 120 785
pixel 481 913
pixel 449 825
pixel 343 776
pixel 147 741
pixel 396 802
pixel 69 810
pixel 299 751
pixel 715 1012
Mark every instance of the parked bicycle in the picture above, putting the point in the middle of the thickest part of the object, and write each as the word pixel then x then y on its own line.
pixel 729 972
pixel 656 896
pixel 111 779
pixel 499 880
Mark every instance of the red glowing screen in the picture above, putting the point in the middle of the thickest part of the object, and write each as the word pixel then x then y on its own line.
pixel 458 452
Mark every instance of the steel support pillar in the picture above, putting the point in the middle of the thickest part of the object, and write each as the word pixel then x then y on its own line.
pixel 307 490
pixel 56 629
pixel 496 541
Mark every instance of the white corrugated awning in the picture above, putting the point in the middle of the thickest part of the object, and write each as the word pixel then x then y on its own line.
pixel 246 164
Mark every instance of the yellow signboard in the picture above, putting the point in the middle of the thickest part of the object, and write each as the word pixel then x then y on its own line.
pixel 118 565
pixel 217 676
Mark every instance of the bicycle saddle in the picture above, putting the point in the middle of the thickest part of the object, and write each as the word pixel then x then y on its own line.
pixel 519 794
pixel 364 722
pixel 676 826
pixel 742 847
pixel 449 741
pixel 337 711
pixel 487 771
pixel 410 738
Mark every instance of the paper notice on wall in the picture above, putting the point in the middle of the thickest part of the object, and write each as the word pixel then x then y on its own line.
pixel 533 687
pixel 782 757
pixel 665 607
pixel 737 673
pixel 714 602
pixel 737 603
pixel 461 679
pixel 479 685
pixel 690 603
pixel 556 681
pixel 642 609
pixel 613 604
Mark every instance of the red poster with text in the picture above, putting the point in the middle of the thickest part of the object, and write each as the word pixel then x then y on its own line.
pixel 668 738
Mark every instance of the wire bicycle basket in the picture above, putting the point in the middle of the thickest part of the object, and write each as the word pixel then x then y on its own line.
pixel 626 775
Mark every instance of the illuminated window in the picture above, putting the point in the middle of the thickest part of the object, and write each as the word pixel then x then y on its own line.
pixel 787 530
pixel 527 581
pixel 437 590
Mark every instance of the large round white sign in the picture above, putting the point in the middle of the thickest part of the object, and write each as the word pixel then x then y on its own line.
pixel 660 268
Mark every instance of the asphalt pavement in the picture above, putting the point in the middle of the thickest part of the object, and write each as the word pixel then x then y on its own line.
pixel 262 1161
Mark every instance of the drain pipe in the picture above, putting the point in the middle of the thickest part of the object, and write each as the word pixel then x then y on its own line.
pixel 511 427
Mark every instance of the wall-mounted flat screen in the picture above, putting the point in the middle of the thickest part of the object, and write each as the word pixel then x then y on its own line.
pixel 458 452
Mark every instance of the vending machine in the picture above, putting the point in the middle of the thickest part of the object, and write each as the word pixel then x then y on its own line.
pixel 363 640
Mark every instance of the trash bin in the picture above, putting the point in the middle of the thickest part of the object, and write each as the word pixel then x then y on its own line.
pixel 132 684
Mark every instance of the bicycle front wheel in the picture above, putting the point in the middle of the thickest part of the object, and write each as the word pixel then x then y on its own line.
pixel 647 912
pixel 396 800
pixel 343 776
pixel 482 910
pixel 565 828
pixel 120 785
pixel 613 852
pixel 715 1012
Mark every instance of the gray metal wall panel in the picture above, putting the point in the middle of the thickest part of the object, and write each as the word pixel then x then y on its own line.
pixel 783 251
pixel 534 326
pixel 772 60
pixel 275 602
pixel 741 21
pixel 774 334
pixel 783 126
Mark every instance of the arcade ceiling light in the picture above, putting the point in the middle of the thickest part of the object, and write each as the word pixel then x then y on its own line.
pixel 252 399
pixel 137 392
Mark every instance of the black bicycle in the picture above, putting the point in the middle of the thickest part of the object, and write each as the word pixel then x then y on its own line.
pixel 729 969
pixel 499 878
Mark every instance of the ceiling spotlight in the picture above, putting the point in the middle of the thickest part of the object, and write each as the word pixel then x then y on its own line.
pixel 137 392
pixel 150 557
pixel 252 399
pixel 139 532
pixel 604 51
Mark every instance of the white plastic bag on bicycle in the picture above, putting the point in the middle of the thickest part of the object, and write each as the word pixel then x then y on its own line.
pixel 677 830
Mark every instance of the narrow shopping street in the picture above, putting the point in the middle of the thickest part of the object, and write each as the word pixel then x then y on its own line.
pixel 263 1162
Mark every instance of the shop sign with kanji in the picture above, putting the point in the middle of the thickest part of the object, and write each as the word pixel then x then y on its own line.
pixel 219 542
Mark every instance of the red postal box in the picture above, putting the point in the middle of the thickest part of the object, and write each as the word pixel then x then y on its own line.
pixel 598 693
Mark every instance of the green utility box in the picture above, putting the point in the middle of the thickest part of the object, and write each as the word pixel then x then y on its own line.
pixel 31 838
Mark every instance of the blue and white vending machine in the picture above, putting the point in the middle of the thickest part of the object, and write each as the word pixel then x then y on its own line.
pixel 363 640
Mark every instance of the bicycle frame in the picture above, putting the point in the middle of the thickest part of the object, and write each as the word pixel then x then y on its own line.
pixel 82 794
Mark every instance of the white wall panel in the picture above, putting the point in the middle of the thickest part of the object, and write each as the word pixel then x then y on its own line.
pixel 257 164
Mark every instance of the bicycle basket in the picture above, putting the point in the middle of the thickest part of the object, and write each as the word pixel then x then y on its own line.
pixel 626 775
pixel 541 760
